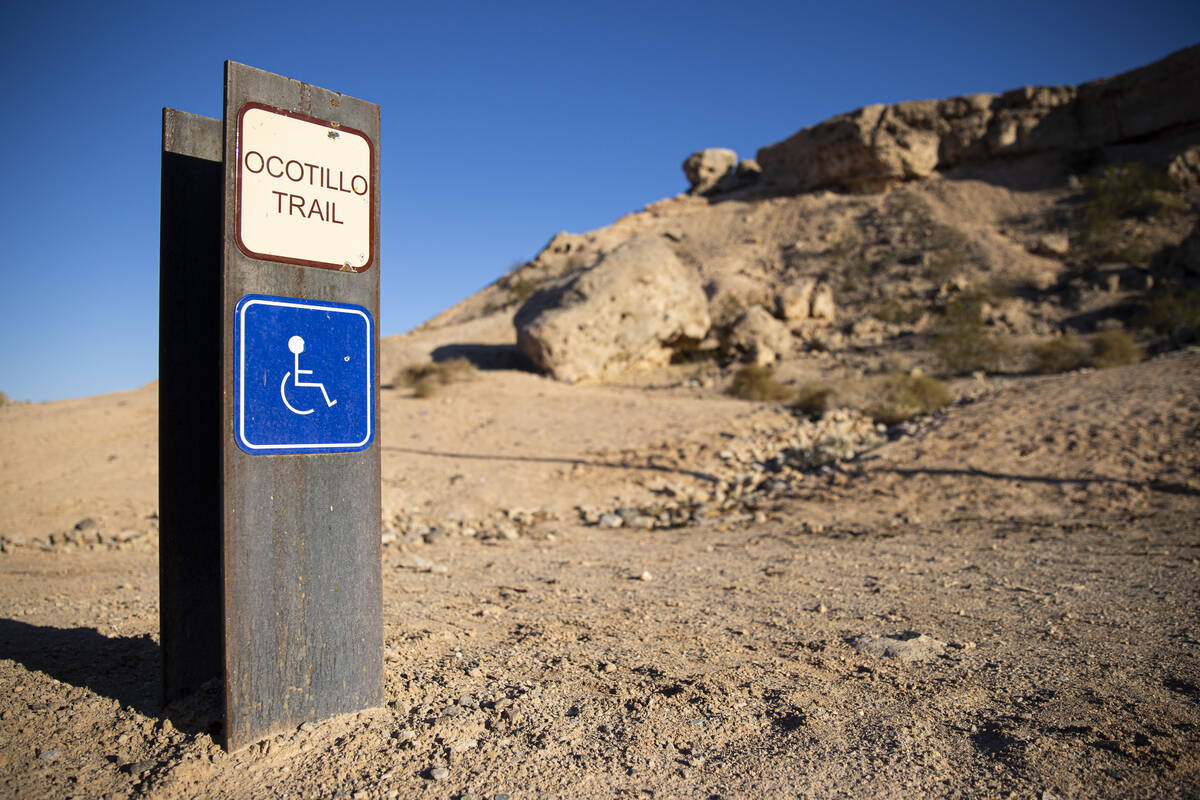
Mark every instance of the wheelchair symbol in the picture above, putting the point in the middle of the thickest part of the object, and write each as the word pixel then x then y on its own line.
pixel 296 345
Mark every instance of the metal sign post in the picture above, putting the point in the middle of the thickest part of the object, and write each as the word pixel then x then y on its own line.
pixel 297 605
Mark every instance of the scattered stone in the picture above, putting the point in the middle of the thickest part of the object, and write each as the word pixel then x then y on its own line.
pixel 439 773
pixel 610 521
pixel 645 576
pixel 905 648
pixel 422 564
pixel 49 755
pixel 1054 245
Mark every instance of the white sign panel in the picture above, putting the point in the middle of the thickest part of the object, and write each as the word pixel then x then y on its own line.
pixel 305 193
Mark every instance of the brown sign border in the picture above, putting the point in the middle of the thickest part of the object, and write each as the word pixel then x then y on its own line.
pixel 332 126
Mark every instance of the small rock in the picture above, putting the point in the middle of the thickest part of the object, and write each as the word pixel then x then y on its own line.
pixel 1054 245
pixel 49 755
pixel 439 773
pixel 904 648
pixel 610 521
pixel 645 576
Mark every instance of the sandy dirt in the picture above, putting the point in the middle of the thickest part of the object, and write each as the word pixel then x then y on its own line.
pixel 998 602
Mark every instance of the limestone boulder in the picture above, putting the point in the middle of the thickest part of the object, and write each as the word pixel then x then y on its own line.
pixel 794 302
pixel 705 169
pixel 822 306
pixel 759 337
pixel 631 309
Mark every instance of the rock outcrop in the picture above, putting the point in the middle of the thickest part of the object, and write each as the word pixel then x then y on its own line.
pixel 879 145
pixel 706 168
pixel 759 337
pixel 806 299
pixel 630 309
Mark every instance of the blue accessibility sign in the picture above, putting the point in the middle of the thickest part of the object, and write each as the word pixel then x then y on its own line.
pixel 304 376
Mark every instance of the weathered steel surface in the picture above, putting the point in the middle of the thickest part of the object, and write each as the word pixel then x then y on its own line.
pixel 189 420
pixel 302 583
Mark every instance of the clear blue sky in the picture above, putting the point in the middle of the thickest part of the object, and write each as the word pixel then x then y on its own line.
pixel 503 123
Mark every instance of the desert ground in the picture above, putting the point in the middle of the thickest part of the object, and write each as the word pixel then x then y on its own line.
pixel 999 602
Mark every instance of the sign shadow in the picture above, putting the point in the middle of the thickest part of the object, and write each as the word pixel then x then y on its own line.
pixel 123 668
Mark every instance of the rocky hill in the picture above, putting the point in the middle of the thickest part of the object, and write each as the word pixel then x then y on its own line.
pixel 854 246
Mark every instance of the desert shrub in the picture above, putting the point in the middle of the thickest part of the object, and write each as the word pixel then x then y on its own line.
pixel 1063 354
pixel 521 288
pixel 896 398
pixel 949 250
pixel 1113 348
pixel 812 398
pixel 727 310
pixel 424 388
pixel 1172 313
pixel 424 379
pixel 1129 190
pixel 1110 348
pixel 4 399
pixel 849 259
pixel 1114 197
pixel 753 382
pixel 965 344
pixel 897 313
pixel 909 208
pixel 970 347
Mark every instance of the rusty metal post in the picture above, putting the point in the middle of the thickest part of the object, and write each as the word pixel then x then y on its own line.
pixel 269 350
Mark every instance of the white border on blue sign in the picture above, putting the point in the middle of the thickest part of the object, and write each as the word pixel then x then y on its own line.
pixel 243 305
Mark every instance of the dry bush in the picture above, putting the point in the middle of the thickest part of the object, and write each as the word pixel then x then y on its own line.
pixel 965 344
pixel 1110 348
pixel 1129 190
pixel 424 379
pixel 753 382
pixel 949 250
pixel 1115 198
pixel 896 398
pixel 1114 348
pixel 897 312
pixel 970 347
pixel 521 288
pixel 1063 354
pixel 848 258
pixel 1172 313
pixel 813 398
